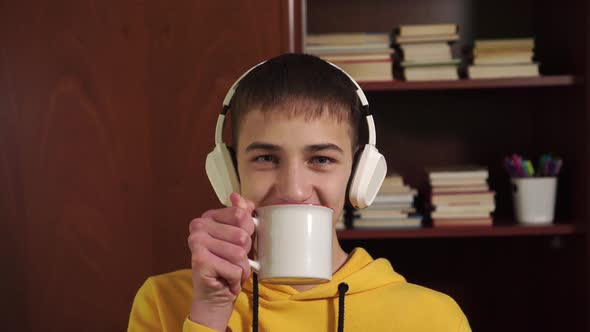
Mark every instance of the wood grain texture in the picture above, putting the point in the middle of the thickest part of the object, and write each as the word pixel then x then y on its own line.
pixel 107 112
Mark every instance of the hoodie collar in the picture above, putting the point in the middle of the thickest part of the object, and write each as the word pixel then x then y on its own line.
pixel 361 272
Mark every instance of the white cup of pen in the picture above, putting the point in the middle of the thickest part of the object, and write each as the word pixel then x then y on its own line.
pixel 533 190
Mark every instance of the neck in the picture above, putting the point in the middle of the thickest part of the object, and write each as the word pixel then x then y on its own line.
pixel 339 257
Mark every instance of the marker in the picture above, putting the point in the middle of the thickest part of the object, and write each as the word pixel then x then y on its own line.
pixel 529 168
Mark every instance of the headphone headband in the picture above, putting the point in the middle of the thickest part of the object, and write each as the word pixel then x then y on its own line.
pixel 359 92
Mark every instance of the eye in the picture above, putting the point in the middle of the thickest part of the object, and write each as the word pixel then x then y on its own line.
pixel 267 158
pixel 321 160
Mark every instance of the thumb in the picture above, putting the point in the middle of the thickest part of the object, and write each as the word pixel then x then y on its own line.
pixel 239 201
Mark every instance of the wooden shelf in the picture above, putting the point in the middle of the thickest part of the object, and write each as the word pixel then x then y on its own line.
pixel 495 231
pixel 526 82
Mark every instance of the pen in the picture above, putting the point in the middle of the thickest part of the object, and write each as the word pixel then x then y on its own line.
pixel 517 166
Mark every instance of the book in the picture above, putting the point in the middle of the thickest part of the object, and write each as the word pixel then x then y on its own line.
pixel 431 73
pixel 401 40
pixel 352 48
pixel 427 47
pixel 392 205
pixel 406 208
pixel 459 189
pixel 502 51
pixel 375 56
pixel 347 38
pixel 463 196
pixel 504 59
pixel 503 71
pixel 393 180
pixel 500 56
pixel 505 43
pixel 394 198
pixel 397 190
pixel 426 63
pixel 412 222
pixel 442 214
pixel 374 70
pixel 422 52
pixel 384 214
pixel 426 29
pixel 462 222
pixel 462 206
pixel 466 206
pixel 457 172
pixel 458 182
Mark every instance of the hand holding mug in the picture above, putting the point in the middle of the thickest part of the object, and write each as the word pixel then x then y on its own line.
pixel 219 242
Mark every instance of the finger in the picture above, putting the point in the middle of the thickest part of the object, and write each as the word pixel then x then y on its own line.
pixel 236 255
pixel 241 202
pixel 211 268
pixel 234 216
pixel 237 200
pixel 223 232
pixel 233 254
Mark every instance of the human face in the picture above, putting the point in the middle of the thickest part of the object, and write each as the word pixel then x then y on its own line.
pixel 288 159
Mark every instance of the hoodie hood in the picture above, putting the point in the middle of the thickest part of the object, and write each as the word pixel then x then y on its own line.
pixel 361 272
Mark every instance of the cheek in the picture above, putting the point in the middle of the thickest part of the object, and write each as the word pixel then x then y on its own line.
pixel 255 190
pixel 332 191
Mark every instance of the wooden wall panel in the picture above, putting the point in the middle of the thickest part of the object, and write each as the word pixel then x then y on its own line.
pixel 107 112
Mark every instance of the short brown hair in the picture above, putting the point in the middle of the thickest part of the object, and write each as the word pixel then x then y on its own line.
pixel 304 85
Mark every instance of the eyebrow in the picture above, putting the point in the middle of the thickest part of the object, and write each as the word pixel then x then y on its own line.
pixel 262 146
pixel 308 148
pixel 323 147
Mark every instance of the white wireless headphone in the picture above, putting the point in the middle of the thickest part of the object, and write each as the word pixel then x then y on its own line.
pixel 368 173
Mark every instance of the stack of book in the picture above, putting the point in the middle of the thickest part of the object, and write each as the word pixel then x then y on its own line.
pixel 364 56
pixel 423 52
pixel 393 207
pixel 502 58
pixel 461 197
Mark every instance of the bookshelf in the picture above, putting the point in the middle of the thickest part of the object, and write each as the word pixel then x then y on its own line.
pixel 543 81
pixel 428 232
pixel 507 277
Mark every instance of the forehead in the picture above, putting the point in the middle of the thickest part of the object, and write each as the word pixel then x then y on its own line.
pixel 294 130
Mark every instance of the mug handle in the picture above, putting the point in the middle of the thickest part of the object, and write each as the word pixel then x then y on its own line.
pixel 255 264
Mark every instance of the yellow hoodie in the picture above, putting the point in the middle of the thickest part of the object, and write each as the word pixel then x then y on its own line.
pixel 378 299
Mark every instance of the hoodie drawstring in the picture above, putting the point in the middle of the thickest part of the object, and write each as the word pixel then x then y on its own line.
pixel 255 302
pixel 342 289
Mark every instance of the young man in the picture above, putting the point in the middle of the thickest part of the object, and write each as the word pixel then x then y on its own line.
pixel 295 122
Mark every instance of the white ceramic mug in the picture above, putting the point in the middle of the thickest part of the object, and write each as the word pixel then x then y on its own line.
pixel 293 244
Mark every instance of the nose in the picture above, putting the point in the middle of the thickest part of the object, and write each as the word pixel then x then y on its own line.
pixel 294 184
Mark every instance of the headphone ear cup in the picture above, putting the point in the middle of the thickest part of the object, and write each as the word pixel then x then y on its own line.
pixel 348 202
pixel 222 173
pixel 367 178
